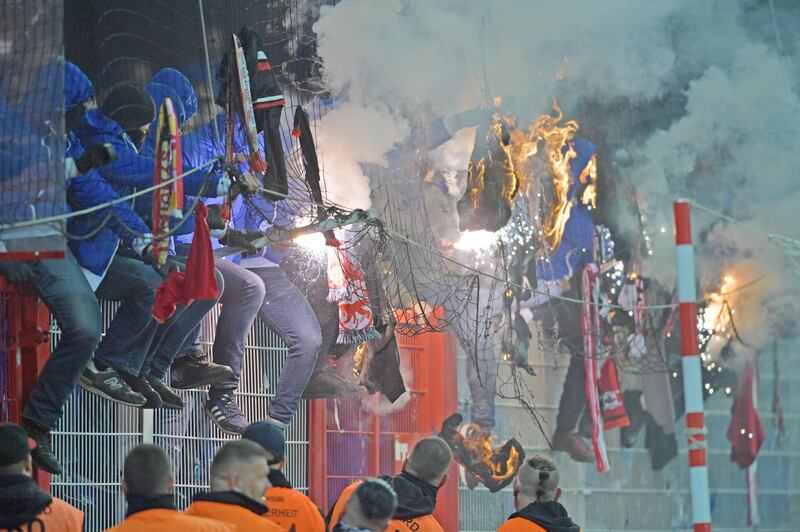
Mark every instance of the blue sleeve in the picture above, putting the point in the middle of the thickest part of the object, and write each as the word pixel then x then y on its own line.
pixel 574 251
pixel 90 189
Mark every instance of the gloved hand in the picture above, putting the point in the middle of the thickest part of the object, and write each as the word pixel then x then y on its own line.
pixel 241 239
pixel 94 156
pixel 173 263
pixel 247 183
pixel 16 272
pixel 215 221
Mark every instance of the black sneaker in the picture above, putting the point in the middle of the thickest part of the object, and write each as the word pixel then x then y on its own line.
pixel 192 372
pixel 226 414
pixel 327 384
pixel 169 399
pixel 109 384
pixel 43 456
pixel 140 385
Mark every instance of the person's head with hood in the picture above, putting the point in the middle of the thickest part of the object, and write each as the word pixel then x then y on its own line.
pixel 174 79
pixel 78 95
pixel 536 481
pixel 583 170
pixel 158 92
pixel 132 108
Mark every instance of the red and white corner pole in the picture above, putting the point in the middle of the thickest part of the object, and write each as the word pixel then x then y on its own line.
pixel 692 375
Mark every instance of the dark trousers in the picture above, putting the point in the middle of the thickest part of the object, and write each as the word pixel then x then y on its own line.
pixel 64 289
pixel 573 396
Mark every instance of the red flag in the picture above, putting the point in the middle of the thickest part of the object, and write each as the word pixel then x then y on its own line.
pixel 746 432
pixel 200 279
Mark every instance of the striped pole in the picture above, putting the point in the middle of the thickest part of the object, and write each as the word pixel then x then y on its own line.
pixel 692 379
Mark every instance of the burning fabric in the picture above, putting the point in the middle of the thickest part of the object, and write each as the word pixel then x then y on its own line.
pixel 495 468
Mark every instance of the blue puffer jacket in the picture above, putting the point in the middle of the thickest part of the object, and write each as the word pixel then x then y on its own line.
pixel 575 249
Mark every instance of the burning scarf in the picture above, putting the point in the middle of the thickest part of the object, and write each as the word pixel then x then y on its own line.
pixel 347 287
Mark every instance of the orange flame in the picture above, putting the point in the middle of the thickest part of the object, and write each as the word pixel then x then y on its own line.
pixel 555 137
pixel 479 442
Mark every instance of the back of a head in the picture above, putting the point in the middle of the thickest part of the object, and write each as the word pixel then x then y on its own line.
pixel 148 471
pixel 373 504
pixel 430 459
pixel 270 438
pixel 15 449
pixel 538 478
pixel 240 466
pixel 129 105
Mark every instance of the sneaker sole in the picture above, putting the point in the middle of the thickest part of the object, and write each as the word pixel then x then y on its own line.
pixel 90 387
pixel 204 382
pixel 210 416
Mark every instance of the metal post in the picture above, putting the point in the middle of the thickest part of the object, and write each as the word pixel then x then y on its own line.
pixel 692 379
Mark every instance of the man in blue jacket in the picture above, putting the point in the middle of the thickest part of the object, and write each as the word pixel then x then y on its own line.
pixel 244 291
pixel 120 274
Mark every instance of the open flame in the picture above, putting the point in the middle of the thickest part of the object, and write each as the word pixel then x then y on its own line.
pixel 556 137
pixel 715 320
pixel 480 240
pixel 472 447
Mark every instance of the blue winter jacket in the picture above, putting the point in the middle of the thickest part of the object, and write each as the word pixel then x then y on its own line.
pixel 575 248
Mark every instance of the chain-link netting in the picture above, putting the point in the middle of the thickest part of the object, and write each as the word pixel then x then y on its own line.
pixel 31 129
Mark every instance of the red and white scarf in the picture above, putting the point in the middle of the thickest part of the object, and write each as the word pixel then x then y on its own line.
pixel 590 324
pixel 347 287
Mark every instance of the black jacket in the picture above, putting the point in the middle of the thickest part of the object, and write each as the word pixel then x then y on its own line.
pixel 21 500
pixel 415 498
pixel 551 516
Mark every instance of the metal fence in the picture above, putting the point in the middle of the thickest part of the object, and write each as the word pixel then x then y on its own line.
pixel 95 435
pixel 634 497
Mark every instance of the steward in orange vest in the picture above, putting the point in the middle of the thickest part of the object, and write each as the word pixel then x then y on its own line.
pixel 233 508
pixel 146 514
pixel 416 501
pixel 536 494
pixel 289 508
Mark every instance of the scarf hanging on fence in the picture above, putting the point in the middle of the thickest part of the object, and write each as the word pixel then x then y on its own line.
pixel 347 287
pixel 590 325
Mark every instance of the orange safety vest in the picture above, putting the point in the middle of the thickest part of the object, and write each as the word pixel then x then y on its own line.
pixel 61 516
pixel 159 519
pixel 233 514
pixel 425 523
pixel 520 524
pixel 293 510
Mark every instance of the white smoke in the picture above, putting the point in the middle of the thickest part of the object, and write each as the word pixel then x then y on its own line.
pixel 727 139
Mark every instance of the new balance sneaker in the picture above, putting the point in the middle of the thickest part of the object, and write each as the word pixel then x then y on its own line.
pixel 43 456
pixel 192 371
pixel 108 383
pixel 226 414
pixel 140 385
pixel 170 399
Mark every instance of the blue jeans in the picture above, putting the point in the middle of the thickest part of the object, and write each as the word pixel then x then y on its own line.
pixel 171 336
pixel 65 291
pixel 287 313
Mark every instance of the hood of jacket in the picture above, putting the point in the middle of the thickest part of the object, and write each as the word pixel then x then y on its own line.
pixel 77 86
pixel 182 86
pixel 415 498
pixel 21 500
pixel 234 498
pixel 97 128
pixel 551 516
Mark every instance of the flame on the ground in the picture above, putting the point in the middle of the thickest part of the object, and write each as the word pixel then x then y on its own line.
pixel 556 138
pixel 479 442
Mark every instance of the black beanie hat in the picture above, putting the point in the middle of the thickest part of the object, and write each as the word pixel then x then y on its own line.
pixel 129 106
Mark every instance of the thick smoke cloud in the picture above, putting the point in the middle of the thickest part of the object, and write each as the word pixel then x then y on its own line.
pixel 712 104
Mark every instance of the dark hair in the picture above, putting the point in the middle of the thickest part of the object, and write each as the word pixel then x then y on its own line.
pixel 147 470
pixel 376 498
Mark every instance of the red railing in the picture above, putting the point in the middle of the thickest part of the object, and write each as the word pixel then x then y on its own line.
pixel 24 350
pixel 350 440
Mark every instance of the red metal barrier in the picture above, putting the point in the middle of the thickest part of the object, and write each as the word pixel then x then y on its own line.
pixel 349 440
pixel 24 350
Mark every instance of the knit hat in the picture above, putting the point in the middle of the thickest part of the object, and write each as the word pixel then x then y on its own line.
pixel 129 106
pixel 268 436
pixel 15 445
